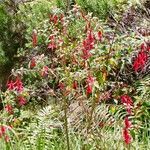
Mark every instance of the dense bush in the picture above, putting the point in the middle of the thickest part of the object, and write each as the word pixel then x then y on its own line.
pixel 81 85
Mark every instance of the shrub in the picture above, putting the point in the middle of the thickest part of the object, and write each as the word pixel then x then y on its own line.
pixel 79 86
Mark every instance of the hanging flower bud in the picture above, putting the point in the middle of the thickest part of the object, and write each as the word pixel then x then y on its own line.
pixel 44 71
pixel 18 85
pixel 126 100
pixel 52 44
pixel 32 63
pixel 99 36
pixel 127 123
pixel 54 19
pixel 90 82
pixel 9 108
pixel 89 89
pixel 126 136
pixel 21 101
pixel 75 84
pixel 61 85
pixel 10 85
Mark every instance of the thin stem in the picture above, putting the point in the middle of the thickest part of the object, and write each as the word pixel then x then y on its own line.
pixel 91 114
pixel 66 123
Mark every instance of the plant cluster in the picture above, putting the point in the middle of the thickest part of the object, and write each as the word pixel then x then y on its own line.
pixel 81 85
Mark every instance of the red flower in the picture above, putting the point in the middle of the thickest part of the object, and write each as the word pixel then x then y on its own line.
pixel 9 108
pixel 90 82
pixel 75 84
pixel 54 19
pixel 143 46
pixel 34 38
pixel 11 85
pixel 52 44
pixel 86 54
pixel 61 85
pixel 62 19
pixel 7 139
pixel 126 100
pixel 99 35
pixel 18 85
pixel 90 37
pixel 89 89
pixel 32 63
pixel 140 61
pixel 127 123
pixel 44 72
pixel 3 130
pixel 21 100
pixel 126 136
pixel 88 44
pixel 90 79
pixel 148 48
pixel 128 109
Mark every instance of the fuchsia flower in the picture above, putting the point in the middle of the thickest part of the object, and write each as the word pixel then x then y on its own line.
pixel 127 123
pixel 99 36
pixel 62 19
pixel 90 82
pixel 7 139
pixel 127 101
pixel 140 61
pixel 141 58
pixel 17 85
pixel 34 38
pixel 86 54
pixel 88 44
pixel 54 19
pixel 75 84
pixel 89 89
pixel 126 136
pixel 3 130
pixel 32 63
pixel 11 85
pixel 128 109
pixel 44 71
pixel 145 47
pixel 90 37
pixel 21 100
pixel 52 44
pixel 90 79
pixel 9 108
pixel 61 85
